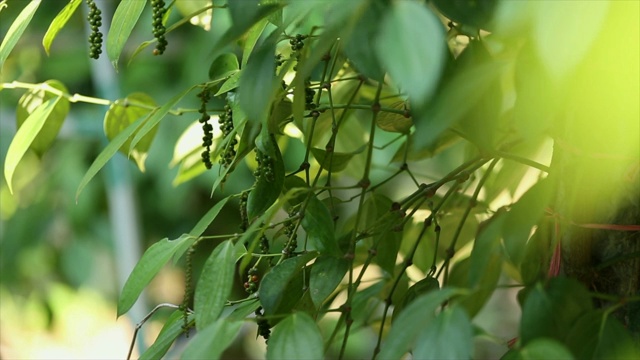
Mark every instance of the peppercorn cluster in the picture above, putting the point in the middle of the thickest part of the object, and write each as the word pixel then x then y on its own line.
pixel 251 285
pixel 207 129
pixel 157 11
pixel 95 38
pixel 297 42
pixel 244 218
pixel 309 93
pixel 289 228
pixel 226 126
pixel 265 166
pixel 263 325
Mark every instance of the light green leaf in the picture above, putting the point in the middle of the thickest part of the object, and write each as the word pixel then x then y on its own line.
pixel 318 224
pixel 336 161
pixel 122 114
pixel 223 66
pixel 411 45
pixel 107 153
pixel 146 269
pixel 252 38
pixel 281 288
pixel 404 333
pixel 545 349
pixel 188 7
pixel 326 274
pixel 296 337
pixel 169 333
pixel 231 83
pixel 448 336
pixel 215 283
pixel 34 98
pixel 16 29
pixel 25 136
pixel 393 122
pixel 213 340
pixel 58 23
pixel 124 19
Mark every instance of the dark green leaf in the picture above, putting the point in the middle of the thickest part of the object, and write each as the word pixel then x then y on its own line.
pixel 411 45
pixel 280 116
pixel 326 274
pixel 448 336
pixel 258 82
pixel 266 192
pixel 223 66
pixel 213 340
pixel 420 288
pixel 282 287
pixel 124 19
pixel 334 161
pixel 16 29
pixel 146 269
pixel 544 349
pixel 615 342
pixel 58 23
pixel 404 333
pixel 169 333
pixel 25 136
pixel 215 283
pixel 294 182
pixel 121 114
pixel 318 224
pixel 360 45
pixel 296 337
pixel 523 215
pixel 467 12
pixel 243 310
pixel 34 98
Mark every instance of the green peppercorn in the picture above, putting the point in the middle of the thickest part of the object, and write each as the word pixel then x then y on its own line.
pixel 95 38
pixel 157 12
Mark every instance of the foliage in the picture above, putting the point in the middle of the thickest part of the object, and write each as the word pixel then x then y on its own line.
pixel 391 142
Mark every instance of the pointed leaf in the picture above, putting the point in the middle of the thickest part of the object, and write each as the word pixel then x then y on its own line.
pixel 296 337
pixel 230 84
pixel 146 269
pixel 318 224
pixel 326 274
pixel 420 288
pixel 214 286
pixel 124 19
pixel 169 333
pixel 58 23
pixel 213 340
pixel 223 66
pixel 281 288
pixel 258 82
pixel 336 162
pixel 448 336
pixel 252 38
pixel 25 136
pixel 16 29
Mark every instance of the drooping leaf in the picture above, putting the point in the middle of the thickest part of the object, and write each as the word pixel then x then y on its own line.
pixel 214 285
pixel 326 274
pixel 318 224
pixel 282 287
pixel 121 114
pixel 266 192
pixel 146 269
pixel 403 335
pixel 16 29
pixel 124 19
pixel 411 46
pixel 258 82
pixel 169 333
pixel 58 23
pixel 223 66
pixel 25 136
pixel 420 288
pixel 34 98
pixel 213 340
pixel 296 337
pixel 334 161
pixel 448 336
pixel 252 38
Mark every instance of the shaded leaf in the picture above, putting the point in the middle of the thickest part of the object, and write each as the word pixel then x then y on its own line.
pixel 16 29
pixel 215 283
pixel 420 288
pixel 544 349
pixel 58 23
pixel 448 336
pixel 223 66
pixel 334 161
pixel 280 116
pixel 296 337
pixel 266 192
pixel 169 333
pixel 281 288
pixel 213 340
pixel 468 12
pixel 360 45
pixel 258 82
pixel 318 224
pixel 124 19
pixel 326 274
pixel 25 136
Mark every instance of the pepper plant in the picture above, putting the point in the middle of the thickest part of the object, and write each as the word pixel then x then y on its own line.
pixel 410 158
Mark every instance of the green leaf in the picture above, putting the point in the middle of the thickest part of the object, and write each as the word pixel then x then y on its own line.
pixel 360 45
pixel 448 336
pixel 106 154
pixel 280 116
pixel 124 19
pixel 25 136
pixel 318 224
pixel 146 269
pixel 544 349
pixel 467 12
pixel 34 98
pixel 420 288
pixel 294 182
pixel 412 48
pixel 252 38
pixel 169 333
pixel 258 82
pixel 120 115
pixel 335 161
pixel 266 192
pixel 412 321
pixel 155 117
pixel 296 337
pixel 16 29
pixel 281 288
pixel 58 23
pixel 189 7
pixel 326 275
pixel 213 340
pixel 393 122
pixel 231 83
pixel 523 215
pixel 223 66
pixel 215 283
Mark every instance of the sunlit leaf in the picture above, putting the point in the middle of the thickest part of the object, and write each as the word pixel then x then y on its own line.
pixel 296 337
pixel 58 23
pixel 16 29
pixel 393 122
pixel 124 19
pixel 188 7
